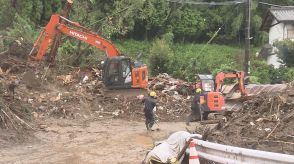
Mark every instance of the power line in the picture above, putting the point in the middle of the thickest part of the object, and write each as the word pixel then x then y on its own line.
pixel 208 3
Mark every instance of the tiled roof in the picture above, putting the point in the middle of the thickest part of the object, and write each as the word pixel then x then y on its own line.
pixel 281 14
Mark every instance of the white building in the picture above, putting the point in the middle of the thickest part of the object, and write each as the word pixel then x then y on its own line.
pixel 279 23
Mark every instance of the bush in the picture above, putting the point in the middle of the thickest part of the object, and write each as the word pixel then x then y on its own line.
pixel 22 28
pixel 192 59
pixel 261 71
pixel 286 51
pixel 267 74
pixel 159 57
pixel 289 76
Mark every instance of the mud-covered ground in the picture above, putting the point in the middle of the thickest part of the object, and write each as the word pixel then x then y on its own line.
pixel 89 141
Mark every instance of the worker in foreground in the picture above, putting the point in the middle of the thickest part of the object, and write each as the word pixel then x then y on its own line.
pixel 195 106
pixel 171 150
pixel 149 107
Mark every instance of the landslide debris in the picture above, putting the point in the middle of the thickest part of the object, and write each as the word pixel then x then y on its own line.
pixel 266 122
pixel 72 92
pixel 30 91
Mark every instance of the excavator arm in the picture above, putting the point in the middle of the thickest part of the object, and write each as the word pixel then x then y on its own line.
pixel 221 76
pixel 79 32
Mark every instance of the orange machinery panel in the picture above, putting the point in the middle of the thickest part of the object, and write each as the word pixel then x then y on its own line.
pixel 215 101
pixel 140 77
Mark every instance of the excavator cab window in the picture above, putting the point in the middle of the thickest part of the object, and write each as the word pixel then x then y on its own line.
pixel 207 82
pixel 114 72
pixel 117 72
pixel 126 71
pixel 208 85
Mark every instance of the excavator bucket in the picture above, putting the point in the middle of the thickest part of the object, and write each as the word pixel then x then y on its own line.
pixel 255 89
pixel 234 100
pixel 232 96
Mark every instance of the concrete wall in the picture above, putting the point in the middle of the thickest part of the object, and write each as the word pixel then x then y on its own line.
pixel 276 32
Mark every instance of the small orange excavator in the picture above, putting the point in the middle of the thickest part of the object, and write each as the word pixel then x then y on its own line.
pixel 118 71
pixel 216 96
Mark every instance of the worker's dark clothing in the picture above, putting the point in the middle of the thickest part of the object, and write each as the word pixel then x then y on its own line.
pixel 195 109
pixel 149 103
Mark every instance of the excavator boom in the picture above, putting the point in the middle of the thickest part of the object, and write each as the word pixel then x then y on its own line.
pixel 80 33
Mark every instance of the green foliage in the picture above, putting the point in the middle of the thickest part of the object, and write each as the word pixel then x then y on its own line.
pixel 78 54
pixel 159 57
pixel 154 13
pixel 187 60
pixel 286 51
pixel 188 22
pixel 254 80
pixel 261 71
pixel 132 48
pixel 173 23
pixel 289 76
pixel 22 28
pixel 267 74
pixel 6 14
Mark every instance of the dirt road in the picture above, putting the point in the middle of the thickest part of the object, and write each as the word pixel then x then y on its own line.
pixel 98 141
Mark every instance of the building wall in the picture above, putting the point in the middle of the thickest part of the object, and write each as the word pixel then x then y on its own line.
pixel 279 32
pixel 276 32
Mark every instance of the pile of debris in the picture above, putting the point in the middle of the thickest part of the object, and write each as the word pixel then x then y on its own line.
pixel 15 115
pixel 85 95
pixel 265 123
pixel 79 93
pixel 168 85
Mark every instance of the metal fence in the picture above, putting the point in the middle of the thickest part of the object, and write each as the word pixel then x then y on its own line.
pixel 229 154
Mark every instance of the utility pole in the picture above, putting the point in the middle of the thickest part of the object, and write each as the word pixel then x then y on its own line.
pixel 247 37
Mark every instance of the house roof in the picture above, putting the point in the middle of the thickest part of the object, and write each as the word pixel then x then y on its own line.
pixel 281 14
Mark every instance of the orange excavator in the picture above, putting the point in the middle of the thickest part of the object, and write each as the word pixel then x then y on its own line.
pixel 216 96
pixel 118 71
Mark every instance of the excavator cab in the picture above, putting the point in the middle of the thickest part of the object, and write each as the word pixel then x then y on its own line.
pixel 210 100
pixel 121 72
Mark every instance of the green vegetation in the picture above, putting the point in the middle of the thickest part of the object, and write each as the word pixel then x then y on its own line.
pixel 286 51
pixel 170 37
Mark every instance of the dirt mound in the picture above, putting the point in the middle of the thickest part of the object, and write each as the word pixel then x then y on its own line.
pixel 78 93
pixel 15 120
pixel 81 93
pixel 266 122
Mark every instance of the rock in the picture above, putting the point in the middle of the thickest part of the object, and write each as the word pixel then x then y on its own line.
pixel 35 114
pixel 42 108
pixel 30 101
pixel 85 79
pixel 43 126
pixel 57 98
pixel 252 123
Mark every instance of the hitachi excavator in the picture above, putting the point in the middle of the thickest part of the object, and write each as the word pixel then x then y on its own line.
pixel 216 96
pixel 118 71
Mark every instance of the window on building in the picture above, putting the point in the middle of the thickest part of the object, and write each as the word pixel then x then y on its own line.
pixel 290 33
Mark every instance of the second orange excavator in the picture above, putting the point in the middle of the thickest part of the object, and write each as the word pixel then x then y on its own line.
pixel 216 96
pixel 118 70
